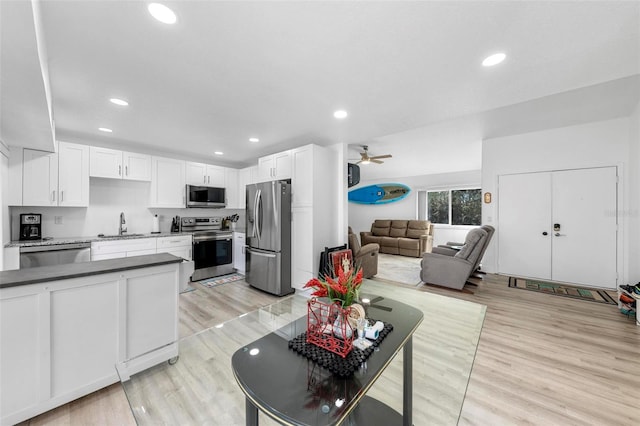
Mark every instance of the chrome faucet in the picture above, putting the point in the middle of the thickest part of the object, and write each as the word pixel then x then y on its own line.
pixel 122 229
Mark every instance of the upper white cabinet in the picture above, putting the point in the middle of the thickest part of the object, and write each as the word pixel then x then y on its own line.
pixel 205 174
pixel 246 176
pixel 232 189
pixel 167 183
pixel 274 167
pixel 114 164
pixel 14 197
pixel 56 179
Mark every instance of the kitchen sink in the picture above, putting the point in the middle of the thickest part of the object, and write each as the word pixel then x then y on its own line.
pixel 121 236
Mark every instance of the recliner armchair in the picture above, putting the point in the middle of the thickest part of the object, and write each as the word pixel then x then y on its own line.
pixel 453 270
pixel 365 256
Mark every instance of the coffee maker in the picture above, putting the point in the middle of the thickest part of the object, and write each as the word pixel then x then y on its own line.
pixel 30 226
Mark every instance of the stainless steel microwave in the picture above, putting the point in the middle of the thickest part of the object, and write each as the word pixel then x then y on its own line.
pixel 206 196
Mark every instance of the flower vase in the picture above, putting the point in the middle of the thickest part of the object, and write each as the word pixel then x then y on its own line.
pixel 341 327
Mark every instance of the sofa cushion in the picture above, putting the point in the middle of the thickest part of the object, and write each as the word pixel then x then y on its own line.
pixel 417 228
pixel 398 228
pixel 380 228
pixel 409 243
pixel 389 242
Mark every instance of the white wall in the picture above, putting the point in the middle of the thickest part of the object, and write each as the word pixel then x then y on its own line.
pixel 603 143
pixel 361 216
pixel 634 198
pixel 4 210
pixel 109 197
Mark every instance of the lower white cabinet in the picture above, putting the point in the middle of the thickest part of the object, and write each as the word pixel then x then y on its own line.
pixel 180 245
pixel 61 340
pixel 101 250
pixel 239 251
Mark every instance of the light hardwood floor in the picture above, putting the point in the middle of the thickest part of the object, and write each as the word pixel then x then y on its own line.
pixel 541 359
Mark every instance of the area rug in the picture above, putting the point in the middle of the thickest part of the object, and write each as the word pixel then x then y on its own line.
pixel 581 293
pixel 224 279
pixel 401 269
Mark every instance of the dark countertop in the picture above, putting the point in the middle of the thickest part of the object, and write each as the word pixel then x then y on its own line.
pixel 73 240
pixel 74 270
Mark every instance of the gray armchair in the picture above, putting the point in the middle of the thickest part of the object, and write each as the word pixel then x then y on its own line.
pixel 365 256
pixel 452 270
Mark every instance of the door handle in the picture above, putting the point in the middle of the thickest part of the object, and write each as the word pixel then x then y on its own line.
pixel 545 233
pixel 557 234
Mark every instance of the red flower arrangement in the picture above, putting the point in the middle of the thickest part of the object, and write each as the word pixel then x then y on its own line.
pixel 343 288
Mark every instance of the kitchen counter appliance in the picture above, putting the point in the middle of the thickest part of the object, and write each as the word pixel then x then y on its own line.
pixel 206 196
pixel 212 247
pixel 54 254
pixel 268 254
pixel 30 226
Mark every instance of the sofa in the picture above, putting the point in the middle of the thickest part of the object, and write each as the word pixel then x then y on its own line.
pixel 404 237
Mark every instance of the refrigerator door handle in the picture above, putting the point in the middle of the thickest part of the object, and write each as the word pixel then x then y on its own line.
pixel 254 231
pixel 260 253
pixel 274 188
pixel 259 214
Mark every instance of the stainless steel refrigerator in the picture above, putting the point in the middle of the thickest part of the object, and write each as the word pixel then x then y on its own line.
pixel 268 254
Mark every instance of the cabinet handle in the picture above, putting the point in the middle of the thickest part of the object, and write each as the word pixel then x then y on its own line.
pixel 126 170
pixel 53 196
pixel 119 170
pixel 61 196
pixel 204 179
pixel 208 179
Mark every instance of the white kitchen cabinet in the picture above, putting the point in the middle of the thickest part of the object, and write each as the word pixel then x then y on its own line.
pixel 14 197
pixel 275 167
pixel 136 166
pixel 84 335
pixel 61 340
pixel 232 189
pixel 101 250
pixel 114 164
pixel 205 174
pixel 313 183
pixel 167 183
pixel 246 176
pixel 179 245
pixel 149 325
pixel 21 349
pixel 56 179
pixel 239 256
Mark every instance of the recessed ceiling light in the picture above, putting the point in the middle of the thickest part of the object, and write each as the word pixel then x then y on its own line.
pixel 254 140
pixel 120 102
pixel 162 13
pixel 104 129
pixel 340 114
pixel 494 59
pixel 218 153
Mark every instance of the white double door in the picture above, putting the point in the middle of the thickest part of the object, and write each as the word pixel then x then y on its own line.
pixel 559 226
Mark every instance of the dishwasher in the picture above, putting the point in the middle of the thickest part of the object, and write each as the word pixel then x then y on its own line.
pixel 54 254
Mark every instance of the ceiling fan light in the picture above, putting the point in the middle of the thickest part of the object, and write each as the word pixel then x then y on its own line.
pixel 365 162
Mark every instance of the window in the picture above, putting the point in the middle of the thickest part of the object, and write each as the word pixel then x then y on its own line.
pixel 455 207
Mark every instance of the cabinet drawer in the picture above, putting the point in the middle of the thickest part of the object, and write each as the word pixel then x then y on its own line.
pixel 177 241
pixel 106 247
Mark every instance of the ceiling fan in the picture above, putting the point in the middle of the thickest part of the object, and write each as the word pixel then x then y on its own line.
pixel 375 159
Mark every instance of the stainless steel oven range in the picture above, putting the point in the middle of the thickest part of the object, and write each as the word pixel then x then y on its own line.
pixel 212 246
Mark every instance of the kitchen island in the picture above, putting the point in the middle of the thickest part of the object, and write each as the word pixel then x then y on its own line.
pixel 65 328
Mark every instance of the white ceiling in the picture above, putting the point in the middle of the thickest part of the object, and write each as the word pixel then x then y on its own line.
pixel 408 73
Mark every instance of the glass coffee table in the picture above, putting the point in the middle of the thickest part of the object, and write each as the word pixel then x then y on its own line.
pixel 294 390
pixel 202 387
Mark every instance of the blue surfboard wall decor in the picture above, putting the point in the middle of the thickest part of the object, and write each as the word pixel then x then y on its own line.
pixel 381 193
